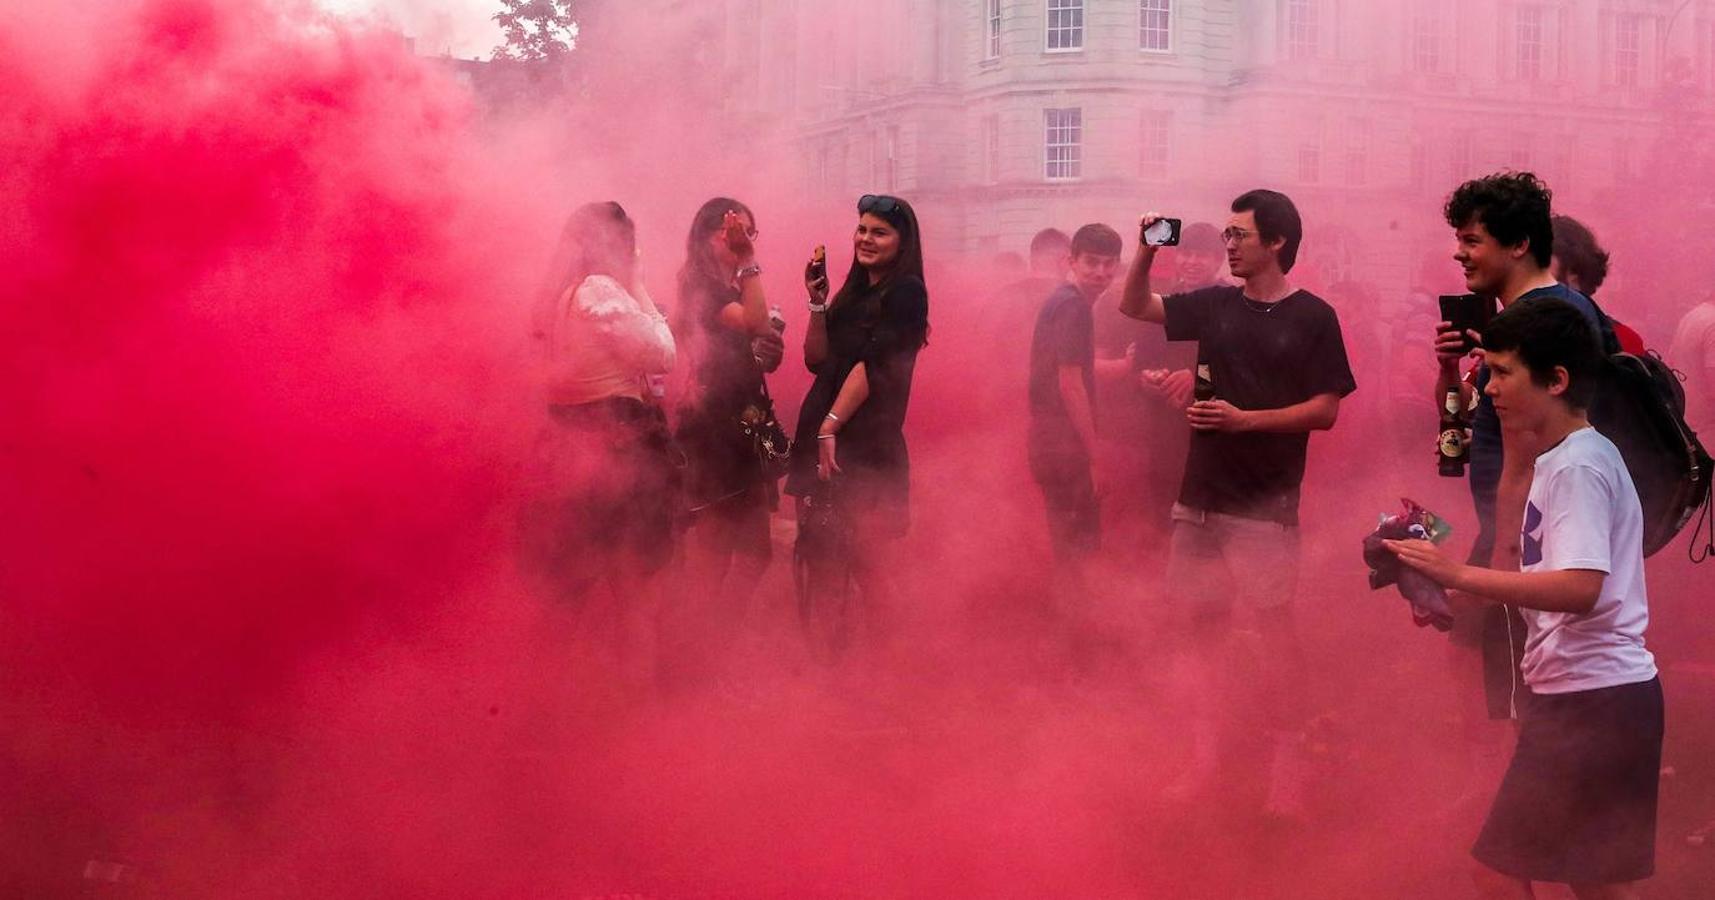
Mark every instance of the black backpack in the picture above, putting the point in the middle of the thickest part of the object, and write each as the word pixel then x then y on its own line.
pixel 1641 408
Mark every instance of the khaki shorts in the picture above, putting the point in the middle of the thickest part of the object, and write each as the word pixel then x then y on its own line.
pixel 1217 560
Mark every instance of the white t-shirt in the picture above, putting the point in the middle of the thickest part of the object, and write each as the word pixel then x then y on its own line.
pixel 1583 513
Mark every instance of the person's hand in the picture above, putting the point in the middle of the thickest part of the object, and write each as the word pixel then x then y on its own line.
pixel 1427 558
pixel 1450 345
pixel 737 237
pixel 827 465
pixel 816 283
pixel 1143 222
pixel 1216 415
pixel 769 349
pixel 1179 387
pixel 1174 388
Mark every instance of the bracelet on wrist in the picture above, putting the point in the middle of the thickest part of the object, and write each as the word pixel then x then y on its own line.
pixel 825 436
pixel 817 307
pixel 831 416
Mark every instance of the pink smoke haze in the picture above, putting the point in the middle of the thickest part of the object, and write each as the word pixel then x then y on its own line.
pixel 266 407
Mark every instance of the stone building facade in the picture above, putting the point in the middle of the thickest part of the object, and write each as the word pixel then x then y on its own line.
pixel 1002 116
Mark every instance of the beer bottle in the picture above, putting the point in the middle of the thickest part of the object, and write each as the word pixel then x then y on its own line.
pixel 1205 389
pixel 1454 446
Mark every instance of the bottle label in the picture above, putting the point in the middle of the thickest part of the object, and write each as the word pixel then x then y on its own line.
pixel 1452 443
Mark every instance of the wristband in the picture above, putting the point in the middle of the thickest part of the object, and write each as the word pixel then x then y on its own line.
pixel 824 437
pixel 831 416
pixel 817 307
pixel 747 271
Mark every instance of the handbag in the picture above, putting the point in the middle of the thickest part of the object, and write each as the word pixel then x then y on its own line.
pixel 767 438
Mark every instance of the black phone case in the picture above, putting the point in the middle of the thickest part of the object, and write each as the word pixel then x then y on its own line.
pixel 1467 312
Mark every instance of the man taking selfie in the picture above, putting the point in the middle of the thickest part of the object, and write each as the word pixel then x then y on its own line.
pixel 1271 368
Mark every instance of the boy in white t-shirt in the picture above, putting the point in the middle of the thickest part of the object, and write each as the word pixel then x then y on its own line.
pixel 1578 802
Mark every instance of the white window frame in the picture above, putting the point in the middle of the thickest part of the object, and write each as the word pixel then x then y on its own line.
pixel 991 29
pixel 1707 39
pixel 1521 157
pixel 1628 49
pixel 1300 29
pixel 1529 40
pixel 1427 30
pixel 991 150
pixel 1063 143
pixel 1309 164
pixel 1155 145
pixel 1065 18
pixel 1155 17
pixel 1356 159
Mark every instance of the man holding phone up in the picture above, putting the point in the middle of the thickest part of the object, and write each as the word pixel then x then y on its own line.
pixel 1273 368
pixel 1505 242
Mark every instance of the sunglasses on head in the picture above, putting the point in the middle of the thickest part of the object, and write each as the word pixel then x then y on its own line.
pixel 879 204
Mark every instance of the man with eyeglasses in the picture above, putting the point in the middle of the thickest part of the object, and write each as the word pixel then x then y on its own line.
pixel 1272 368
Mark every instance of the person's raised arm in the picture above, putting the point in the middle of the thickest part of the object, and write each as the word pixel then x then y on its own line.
pixel 1139 300
pixel 816 333
pixel 636 330
pixel 750 314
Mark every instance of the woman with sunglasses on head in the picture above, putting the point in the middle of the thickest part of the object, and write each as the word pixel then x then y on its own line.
pixel 850 469
pixel 611 484
pixel 732 442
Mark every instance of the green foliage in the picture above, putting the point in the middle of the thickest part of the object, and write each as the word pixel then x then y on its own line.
pixel 536 30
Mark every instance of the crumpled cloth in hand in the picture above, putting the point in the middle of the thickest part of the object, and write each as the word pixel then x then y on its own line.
pixel 1428 600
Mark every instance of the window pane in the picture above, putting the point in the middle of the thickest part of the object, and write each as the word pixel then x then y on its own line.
pixel 1628 49
pixel 1527 42
pixel 1063 143
pixel 1300 29
pixel 1065 24
pixel 1154 138
pixel 992 48
pixel 1155 24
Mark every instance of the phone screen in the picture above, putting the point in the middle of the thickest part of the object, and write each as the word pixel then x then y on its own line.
pixel 1162 233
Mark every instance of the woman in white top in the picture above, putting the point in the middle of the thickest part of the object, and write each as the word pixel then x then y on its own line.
pixel 610 483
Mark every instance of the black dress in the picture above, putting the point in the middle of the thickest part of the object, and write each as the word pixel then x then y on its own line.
pixel 723 467
pixel 884 327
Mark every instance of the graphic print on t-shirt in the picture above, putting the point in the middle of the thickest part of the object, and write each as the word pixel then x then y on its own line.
pixel 1531 545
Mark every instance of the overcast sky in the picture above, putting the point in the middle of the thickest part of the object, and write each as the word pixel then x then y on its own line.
pixel 460 27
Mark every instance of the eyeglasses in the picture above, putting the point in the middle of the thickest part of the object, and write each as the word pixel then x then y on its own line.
pixel 1235 235
pixel 879 204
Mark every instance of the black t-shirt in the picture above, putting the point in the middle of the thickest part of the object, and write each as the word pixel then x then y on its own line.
pixel 1065 336
pixel 1259 357
pixel 725 368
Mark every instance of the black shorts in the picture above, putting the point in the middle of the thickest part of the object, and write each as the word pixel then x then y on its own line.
pixel 1578 803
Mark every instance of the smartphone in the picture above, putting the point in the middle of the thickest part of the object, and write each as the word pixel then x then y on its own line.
pixel 1467 312
pixel 1161 233
pixel 819 264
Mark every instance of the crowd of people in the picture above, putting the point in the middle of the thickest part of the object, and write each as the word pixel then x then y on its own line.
pixel 1183 411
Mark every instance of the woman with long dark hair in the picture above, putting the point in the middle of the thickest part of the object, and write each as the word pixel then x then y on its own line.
pixel 850 468
pixel 610 483
pixel 734 446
